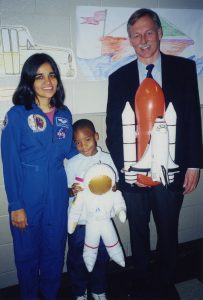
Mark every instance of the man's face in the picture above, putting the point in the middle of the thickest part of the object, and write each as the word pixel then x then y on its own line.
pixel 145 38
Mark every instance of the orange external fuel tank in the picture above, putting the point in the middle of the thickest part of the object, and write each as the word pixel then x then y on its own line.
pixel 149 104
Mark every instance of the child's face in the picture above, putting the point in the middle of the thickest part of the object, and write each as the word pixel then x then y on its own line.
pixel 86 141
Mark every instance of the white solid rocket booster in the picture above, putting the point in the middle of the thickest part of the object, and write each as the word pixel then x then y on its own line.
pixel 129 142
pixel 170 117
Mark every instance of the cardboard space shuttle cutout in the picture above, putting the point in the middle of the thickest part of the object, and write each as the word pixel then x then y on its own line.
pixel 149 146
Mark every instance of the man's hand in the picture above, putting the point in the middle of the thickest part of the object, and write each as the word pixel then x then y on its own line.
pixel 19 218
pixel 191 180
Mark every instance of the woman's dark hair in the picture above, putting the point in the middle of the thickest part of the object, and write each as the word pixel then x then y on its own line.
pixel 83 123
pixel 25 94
pixel 141 13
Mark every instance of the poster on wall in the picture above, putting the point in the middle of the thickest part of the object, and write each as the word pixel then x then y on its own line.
pixel 16 45
pixel 103 45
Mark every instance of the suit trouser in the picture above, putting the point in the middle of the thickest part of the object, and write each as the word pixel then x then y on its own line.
pixel 165 206
pixel 80 278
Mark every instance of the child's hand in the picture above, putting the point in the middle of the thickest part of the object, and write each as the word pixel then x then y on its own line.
pixel 76 188
pixel 114 188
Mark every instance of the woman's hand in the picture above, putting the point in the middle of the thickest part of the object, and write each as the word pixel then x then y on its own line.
pixel 19 218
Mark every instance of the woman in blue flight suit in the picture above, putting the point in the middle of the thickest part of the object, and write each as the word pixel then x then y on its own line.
pixel 36 138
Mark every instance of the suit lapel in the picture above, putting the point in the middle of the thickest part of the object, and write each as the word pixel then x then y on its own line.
pixel 166 78
pixel 133 81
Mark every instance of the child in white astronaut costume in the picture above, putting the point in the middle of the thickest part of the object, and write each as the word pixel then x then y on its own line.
pixel 85 138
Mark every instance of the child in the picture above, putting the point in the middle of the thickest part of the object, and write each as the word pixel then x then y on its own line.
pixel 85 138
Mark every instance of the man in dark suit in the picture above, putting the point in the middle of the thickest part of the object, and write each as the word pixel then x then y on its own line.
pixel 178 79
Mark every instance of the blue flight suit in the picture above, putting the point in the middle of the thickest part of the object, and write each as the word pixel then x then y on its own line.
pixel 33 151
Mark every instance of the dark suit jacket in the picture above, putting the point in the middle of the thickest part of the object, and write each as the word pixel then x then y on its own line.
pixel 179 84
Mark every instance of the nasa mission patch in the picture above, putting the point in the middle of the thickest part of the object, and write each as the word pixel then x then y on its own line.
pixel 37 122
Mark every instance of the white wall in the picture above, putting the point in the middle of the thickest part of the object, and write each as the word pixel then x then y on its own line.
pixel 53 22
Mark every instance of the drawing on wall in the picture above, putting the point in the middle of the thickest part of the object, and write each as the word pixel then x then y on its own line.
pixel 16 45
pixel 103 45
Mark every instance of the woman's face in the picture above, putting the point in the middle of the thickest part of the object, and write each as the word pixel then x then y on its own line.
pixel 45 83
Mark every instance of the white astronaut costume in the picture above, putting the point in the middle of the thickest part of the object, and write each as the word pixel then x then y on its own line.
pixel 100 204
